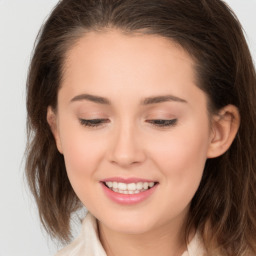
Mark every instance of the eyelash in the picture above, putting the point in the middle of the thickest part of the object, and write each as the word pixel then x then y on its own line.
pixel 163 122
pixel 157 122
pixel 93 122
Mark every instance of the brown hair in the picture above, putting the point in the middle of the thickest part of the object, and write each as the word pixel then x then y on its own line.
pixel 210 32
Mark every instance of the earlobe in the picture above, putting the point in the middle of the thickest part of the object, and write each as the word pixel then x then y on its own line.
pixel 224 129
pixel 52 121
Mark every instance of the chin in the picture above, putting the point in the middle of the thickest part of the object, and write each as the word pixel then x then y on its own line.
pixel 129 223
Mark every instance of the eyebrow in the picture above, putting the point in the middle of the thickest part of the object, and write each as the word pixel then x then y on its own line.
pixel 146 101
pixel 93 98
pixel 159 99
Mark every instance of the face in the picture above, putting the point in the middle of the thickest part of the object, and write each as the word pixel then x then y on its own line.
pixel 133 127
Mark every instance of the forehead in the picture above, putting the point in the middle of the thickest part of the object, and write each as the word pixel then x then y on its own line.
pixel 118 49
pixel 112 63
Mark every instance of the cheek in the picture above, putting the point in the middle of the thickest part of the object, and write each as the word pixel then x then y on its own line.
pixel 82 154
pixel 82 158
pixel 181 156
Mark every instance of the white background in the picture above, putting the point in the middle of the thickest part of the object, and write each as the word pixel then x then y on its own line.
pixel 20 20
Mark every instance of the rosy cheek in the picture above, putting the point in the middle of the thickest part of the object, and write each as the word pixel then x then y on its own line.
pixel 182 152
pixel 81 153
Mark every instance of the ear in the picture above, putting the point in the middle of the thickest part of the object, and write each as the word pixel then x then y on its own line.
pixel 52 121
pixel 225 125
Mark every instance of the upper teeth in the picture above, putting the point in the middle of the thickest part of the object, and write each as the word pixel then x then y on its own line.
pixel 130 186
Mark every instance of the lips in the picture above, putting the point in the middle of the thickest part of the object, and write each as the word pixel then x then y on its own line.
pixel 129 188
pixel 128 191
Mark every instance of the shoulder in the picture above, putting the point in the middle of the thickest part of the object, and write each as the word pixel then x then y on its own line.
pixel 195 247
pixel 87 243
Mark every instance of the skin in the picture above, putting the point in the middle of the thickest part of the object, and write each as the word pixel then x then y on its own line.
pixel 126 69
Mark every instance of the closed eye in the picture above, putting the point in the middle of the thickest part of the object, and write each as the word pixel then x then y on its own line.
pixel 93 122
pixel 163 122
pixel 98 122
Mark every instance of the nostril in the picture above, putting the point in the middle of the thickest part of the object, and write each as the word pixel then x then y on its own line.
pixel 126 150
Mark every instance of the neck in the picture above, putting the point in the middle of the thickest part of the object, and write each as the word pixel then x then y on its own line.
pixel 168 240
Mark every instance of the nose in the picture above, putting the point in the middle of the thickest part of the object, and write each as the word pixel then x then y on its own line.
pixel 126 147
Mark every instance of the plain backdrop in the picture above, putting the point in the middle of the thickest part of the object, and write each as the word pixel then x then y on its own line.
pixel 20 20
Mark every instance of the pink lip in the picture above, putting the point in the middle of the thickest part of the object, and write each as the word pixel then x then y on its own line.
pixel 129 199
pixel 126 180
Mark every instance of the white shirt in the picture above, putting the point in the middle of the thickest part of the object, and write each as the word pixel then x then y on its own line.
pixel 88 243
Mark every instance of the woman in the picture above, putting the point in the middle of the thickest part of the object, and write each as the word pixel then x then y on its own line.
pixel 144 112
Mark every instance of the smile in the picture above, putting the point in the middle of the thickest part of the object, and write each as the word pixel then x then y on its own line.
pixel 129 188
pixel 128 191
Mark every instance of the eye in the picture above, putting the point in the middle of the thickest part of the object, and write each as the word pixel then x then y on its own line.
pixel 162 122
pixel 93 122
